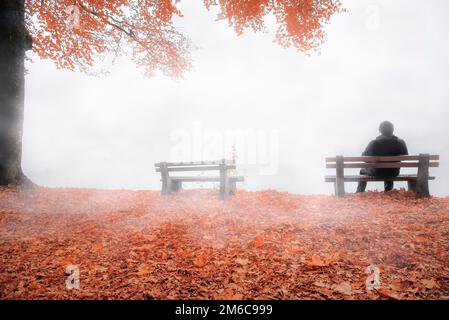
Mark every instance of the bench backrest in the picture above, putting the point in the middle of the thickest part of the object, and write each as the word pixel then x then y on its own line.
pixel 414 161
pixel 195 165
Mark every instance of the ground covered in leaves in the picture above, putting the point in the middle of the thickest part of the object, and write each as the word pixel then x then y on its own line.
pixel 257 245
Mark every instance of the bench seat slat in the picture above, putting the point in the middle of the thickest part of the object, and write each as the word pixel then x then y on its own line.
pixel 196 168
pixel 198 179
pixel 356 178
pixel 382 159
pixel 381 165
pixel 194 163
pixel 206 179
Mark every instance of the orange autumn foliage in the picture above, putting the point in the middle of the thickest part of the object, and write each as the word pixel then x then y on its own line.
pixel 299 23
pixel 191 245
pixel 144 29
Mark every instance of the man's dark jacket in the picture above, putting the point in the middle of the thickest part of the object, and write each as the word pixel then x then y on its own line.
pixel 385 146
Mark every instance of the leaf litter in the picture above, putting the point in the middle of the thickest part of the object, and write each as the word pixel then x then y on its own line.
pixel 256 245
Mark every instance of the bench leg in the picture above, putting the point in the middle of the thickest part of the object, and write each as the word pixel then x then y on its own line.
pixel 224 190
pixel 422 188
pixel 339 189
pixel 422 182
pixel 164 178
pixel 411 185
pixel 232 187
pixel 175 186
pixel 224 181
pixel 339 181
pixel 165 186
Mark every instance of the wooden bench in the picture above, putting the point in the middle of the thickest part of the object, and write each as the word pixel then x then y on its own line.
pixel 419 182
pixel 172 184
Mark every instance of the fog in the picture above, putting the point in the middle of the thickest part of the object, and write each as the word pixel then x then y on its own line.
pixel 383 60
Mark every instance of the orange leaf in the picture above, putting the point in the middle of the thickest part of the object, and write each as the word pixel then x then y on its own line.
pixel 200 261
pixel 143 269
pixel 258 241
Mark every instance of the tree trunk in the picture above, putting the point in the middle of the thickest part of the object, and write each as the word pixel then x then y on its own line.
pixel 14 41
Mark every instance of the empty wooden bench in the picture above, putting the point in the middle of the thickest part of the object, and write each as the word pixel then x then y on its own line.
pixel 172 183
pixel 418 182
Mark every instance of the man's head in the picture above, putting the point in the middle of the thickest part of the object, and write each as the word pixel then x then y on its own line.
pixel 386 128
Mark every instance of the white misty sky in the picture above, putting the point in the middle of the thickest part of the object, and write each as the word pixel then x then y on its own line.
pixel 107 132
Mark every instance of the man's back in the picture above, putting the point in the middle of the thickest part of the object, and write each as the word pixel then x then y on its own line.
pixel 386 146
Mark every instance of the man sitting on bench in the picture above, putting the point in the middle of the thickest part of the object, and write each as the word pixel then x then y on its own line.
pixel 386 144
